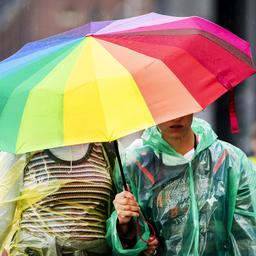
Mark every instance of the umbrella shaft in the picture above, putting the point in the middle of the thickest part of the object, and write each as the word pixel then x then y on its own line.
pixel 120 165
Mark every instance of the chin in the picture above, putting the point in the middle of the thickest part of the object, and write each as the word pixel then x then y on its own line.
pixel 173 135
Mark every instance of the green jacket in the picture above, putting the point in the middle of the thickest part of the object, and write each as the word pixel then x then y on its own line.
pixel 206 206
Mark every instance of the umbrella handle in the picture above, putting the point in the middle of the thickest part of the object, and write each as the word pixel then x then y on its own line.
pixel 120 166
pixel 153 232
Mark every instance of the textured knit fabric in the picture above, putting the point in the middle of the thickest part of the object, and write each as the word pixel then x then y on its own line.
pixel 78 210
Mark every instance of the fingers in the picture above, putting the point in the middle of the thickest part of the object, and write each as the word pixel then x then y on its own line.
pixel 125 194
pixel 149 253
pixel 126 206
pixel 153 241
pixel 125 200
pixel 153 244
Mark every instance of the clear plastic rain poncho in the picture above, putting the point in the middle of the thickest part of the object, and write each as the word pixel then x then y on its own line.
pixel 205 206
pixel 50 206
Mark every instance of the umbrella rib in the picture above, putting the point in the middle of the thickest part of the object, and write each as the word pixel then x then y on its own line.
pixel 97 82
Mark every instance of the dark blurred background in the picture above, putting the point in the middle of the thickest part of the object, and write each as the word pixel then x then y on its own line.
pixel 23 21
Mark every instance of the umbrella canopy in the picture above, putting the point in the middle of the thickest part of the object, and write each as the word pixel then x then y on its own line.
pixel 105 80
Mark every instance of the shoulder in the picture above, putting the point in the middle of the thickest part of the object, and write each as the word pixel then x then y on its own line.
pixel 234 156
pixel 138 152
pixel 219 146
pixel 233 151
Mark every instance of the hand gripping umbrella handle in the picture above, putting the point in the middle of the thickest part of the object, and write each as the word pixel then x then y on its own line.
pixel 153 232
pixel 120 166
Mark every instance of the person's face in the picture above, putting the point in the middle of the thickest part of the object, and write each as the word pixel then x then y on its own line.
pixel 177 128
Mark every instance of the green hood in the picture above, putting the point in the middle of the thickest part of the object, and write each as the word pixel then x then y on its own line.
pixel 153 137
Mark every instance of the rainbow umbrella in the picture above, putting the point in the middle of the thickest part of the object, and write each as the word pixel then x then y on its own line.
pixel 105 80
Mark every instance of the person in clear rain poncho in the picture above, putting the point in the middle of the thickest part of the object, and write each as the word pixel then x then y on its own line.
pixel 56 202
pixel 197 191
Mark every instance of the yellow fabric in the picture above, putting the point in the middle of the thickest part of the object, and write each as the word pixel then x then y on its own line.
pixel 12 195
pixel 101 90
pixel 12 169
pixel 253 159
pixel 28 197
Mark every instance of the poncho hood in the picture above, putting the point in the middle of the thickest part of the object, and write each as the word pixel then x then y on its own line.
pixel 206 137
